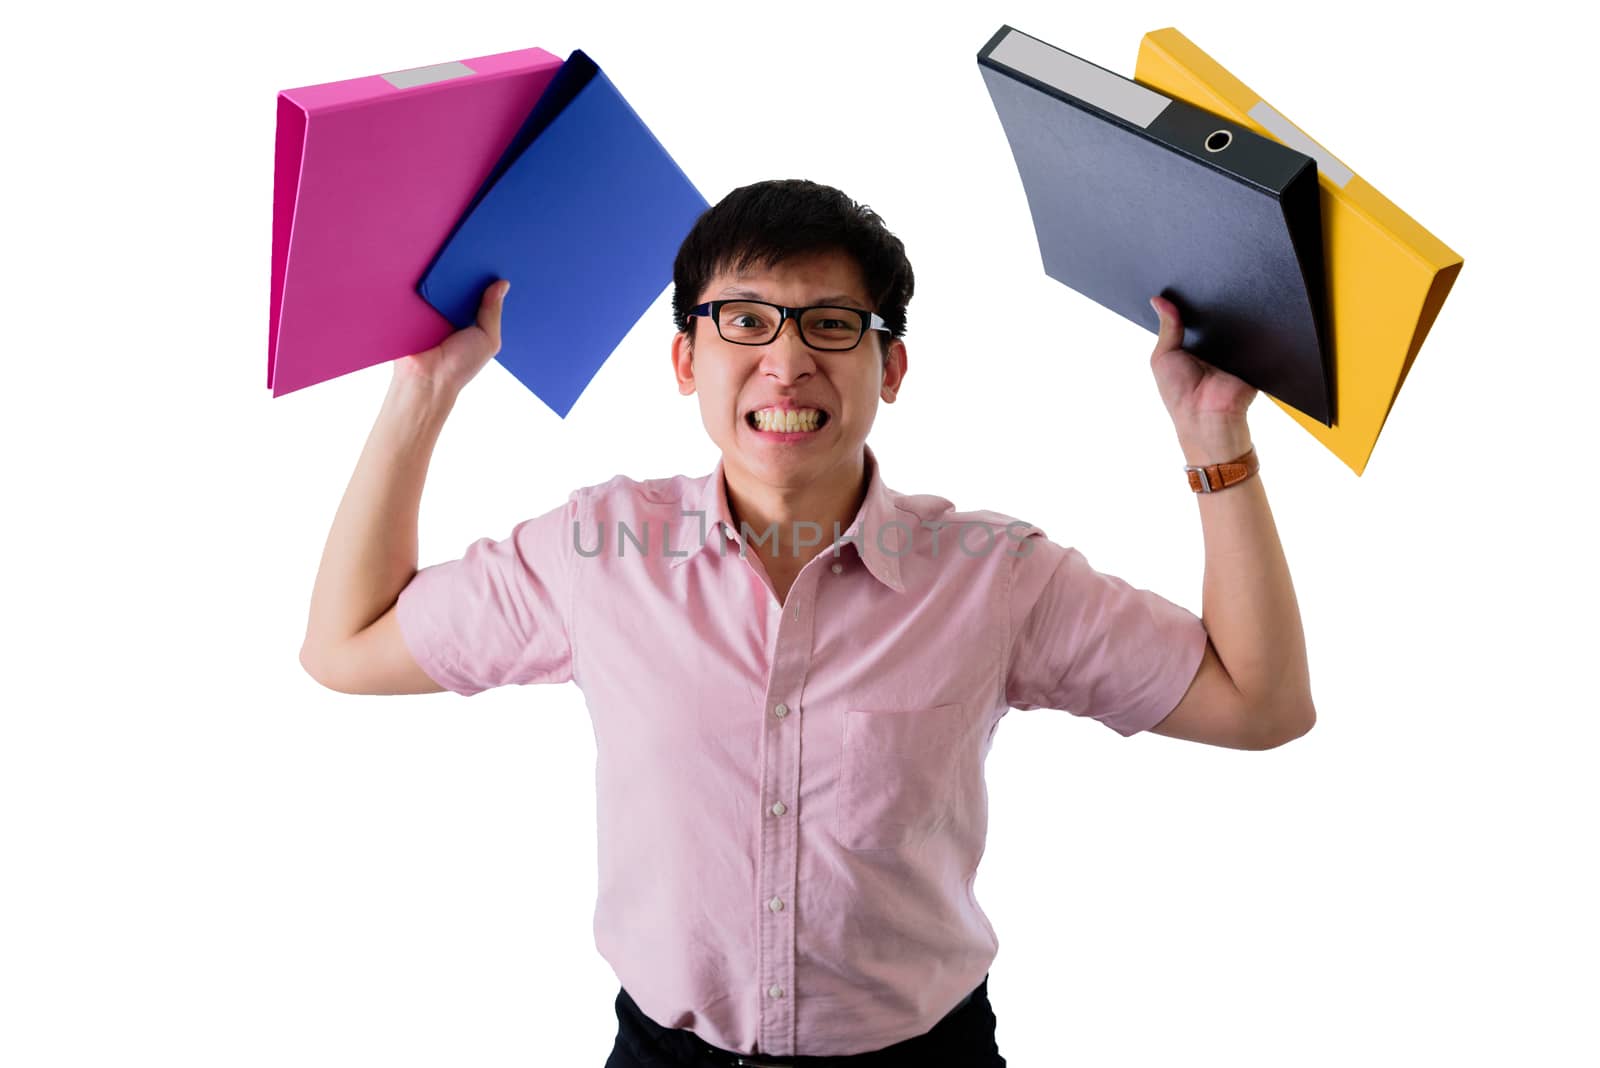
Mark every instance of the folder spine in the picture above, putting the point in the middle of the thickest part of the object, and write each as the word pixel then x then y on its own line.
pixel 1302 213
pixel 287 163
pixel 1240 154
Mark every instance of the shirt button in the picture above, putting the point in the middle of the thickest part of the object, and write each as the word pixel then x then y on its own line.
pixel 779 809
pixel 775 992
pixel 775 905
pixel 781 711
pixel 837 568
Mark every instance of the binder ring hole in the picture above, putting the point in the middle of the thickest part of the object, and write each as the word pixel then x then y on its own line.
pixel 1219 141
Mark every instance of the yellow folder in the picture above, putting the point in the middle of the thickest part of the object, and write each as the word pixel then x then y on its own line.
pixel 1386 276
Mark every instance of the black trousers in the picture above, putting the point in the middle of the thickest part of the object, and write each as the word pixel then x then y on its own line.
pixel 963 1039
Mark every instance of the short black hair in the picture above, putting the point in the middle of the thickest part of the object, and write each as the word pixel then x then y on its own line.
pixel 768 222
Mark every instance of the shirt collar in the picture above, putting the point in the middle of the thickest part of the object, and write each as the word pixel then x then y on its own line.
pixel 880 544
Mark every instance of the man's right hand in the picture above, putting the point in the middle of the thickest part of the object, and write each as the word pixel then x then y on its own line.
pixel 450 365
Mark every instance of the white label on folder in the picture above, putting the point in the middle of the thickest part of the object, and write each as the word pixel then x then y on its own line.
pixel 1120 96
pixel 405 79
pixel 1290 134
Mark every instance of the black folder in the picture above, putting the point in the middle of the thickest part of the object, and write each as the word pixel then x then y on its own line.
pixel 1135 194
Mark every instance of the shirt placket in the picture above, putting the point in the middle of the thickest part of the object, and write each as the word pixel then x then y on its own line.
pixel 778 871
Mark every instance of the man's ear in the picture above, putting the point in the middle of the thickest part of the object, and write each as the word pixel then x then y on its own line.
pixel 894 370
pixel 683 362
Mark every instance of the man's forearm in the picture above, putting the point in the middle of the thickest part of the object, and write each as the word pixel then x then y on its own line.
pixel 371 551
pixel 1248 602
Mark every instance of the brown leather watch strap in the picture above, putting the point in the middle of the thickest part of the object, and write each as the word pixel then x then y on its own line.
pixel 1208 478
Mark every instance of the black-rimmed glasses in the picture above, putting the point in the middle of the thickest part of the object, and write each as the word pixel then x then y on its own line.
pixel 828 327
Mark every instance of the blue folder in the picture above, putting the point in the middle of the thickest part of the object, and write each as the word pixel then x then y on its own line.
pixel 583 214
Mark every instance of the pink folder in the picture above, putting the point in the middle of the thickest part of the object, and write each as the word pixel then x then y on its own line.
pixel 371 176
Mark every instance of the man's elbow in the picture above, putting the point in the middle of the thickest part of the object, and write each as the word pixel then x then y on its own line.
pixel 316 666
pixel 1289 725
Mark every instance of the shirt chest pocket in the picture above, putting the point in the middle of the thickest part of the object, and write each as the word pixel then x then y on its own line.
pixel 896 774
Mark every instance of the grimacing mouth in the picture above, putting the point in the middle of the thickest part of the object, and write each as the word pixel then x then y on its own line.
pixel 823 417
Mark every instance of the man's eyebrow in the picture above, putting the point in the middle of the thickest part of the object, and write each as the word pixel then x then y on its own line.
pixel 843 299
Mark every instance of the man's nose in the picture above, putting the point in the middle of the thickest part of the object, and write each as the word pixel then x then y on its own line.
pixel 787 354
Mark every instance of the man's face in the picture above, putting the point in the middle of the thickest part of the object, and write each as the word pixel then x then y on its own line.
pixel 735 381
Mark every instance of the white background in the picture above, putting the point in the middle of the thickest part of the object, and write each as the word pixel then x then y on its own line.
pixel 209 859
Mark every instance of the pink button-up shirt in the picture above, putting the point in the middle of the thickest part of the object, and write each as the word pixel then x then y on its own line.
pixel 791 797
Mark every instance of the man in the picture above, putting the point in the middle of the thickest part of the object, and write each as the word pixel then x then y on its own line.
pixel 795 672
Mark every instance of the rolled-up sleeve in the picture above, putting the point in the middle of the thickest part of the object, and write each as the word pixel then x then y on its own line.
pixel 1091 644
pixel 501 614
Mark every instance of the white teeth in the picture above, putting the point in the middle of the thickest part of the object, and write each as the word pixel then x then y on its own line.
pixel 806 419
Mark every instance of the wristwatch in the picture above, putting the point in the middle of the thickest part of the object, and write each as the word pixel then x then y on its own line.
pixel 1208 478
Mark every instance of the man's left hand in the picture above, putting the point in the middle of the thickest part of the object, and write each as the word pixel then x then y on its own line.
pixel 1203 400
